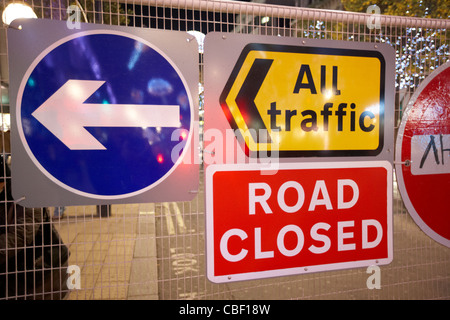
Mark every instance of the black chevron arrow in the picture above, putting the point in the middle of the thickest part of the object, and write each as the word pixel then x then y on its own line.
pixel 245 99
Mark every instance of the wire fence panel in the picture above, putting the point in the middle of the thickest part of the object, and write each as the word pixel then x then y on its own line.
pixel 157 250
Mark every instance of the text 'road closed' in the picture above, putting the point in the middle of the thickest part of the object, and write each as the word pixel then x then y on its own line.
pixel 304 218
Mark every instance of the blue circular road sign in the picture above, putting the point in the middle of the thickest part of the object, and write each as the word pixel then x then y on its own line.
pixel 100 112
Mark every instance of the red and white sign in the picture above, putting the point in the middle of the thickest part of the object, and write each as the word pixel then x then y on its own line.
pixel 307 217
pixel 423 155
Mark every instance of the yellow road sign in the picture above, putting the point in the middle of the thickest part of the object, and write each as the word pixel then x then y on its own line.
pixel 307 101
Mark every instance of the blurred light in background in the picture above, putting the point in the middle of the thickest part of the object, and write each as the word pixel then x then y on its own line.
pixel 17 10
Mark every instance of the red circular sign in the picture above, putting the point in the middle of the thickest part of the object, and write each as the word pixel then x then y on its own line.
pixel 423 156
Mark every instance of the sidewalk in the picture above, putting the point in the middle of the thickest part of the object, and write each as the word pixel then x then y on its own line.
pixel 116 254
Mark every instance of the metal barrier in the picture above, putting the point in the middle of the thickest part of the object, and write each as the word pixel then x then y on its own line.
pixel 157 251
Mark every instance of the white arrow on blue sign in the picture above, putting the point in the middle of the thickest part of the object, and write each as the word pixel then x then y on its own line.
pixel 68 104
pixel 96 113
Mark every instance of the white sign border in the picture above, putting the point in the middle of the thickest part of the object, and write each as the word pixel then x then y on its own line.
pixel 212 169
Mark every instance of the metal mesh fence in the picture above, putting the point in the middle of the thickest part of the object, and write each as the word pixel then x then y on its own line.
pixel 157 250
